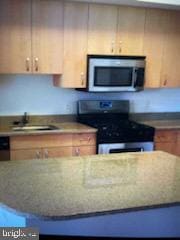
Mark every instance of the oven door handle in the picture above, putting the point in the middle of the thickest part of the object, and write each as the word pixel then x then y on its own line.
pixel 124 150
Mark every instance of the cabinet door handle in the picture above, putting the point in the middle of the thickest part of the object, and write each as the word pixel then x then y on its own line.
pixel 120 46
pixel 36 64
pixel 165 82
pixel 38 154
pixel 27 64
pixel 112 47
pixel 77 152
pixel 46 154
pixel 85 139
pixel 82 79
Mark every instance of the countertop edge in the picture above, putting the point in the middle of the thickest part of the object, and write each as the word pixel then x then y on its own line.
pixel 70 131
pixel 120 209
pixel 87 215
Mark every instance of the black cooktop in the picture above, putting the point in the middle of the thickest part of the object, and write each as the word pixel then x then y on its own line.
pixel 120 130
pixel 113 123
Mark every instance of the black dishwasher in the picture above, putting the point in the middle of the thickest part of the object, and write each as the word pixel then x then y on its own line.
pixel 4 149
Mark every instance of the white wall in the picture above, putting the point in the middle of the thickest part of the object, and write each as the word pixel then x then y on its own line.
pixel 37 95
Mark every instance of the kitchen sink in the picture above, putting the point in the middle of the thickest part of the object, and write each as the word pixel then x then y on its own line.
pixel 34 128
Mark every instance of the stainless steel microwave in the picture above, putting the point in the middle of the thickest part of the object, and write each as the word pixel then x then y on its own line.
pixel 115 73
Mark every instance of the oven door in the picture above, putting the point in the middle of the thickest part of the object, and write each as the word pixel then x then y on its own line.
pixel 125 147
pixel 111 75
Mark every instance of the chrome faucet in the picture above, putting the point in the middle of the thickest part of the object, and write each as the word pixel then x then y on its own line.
pixel 25 119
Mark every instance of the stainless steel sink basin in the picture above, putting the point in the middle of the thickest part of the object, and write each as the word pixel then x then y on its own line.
pixel 34 128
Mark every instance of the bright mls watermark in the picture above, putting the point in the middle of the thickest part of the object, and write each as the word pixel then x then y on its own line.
pixel 11 233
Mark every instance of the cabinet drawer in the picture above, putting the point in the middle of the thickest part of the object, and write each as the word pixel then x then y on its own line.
pixel 40 141
pixel 26 154
pixel 84 139
pixel 84 150
pixel 57 152
pixel 166 136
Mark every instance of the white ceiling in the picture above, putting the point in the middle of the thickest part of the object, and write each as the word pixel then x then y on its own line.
pixel 170 4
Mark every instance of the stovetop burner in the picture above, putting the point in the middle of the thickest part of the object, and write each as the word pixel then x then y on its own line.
pixel 118 124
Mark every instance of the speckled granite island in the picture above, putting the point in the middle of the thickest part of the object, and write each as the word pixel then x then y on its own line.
pixel 103 195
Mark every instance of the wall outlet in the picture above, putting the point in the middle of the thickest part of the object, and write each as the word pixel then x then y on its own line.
pixel 69 108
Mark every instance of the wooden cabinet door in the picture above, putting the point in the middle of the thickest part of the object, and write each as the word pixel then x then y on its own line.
pixel 178 144
pixel 154 38
pixel 102 29
pixel 84 150
pixel 52 145
pixel 41 141
pixel 84 139
pixel 47 36
pixel 75 45
pixel 26 154
pixel 57 152
pixel 166 147
pixel 15 36
pixel 171 57
pixel 130 36
pixel 166 140
pixel 177 149
pixel 166 136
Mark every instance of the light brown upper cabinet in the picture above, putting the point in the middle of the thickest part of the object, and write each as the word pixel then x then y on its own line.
pixel 170 76
pixel 31 36
pixel 130 37
pixel 154 38
pixel 115 30
pixel 102 29
pixel 15 36
pixel 47 36
pixel 75 46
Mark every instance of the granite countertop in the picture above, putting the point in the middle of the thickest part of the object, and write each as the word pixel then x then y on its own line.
pixel 68 124
pixel 84 186
pixel 163 124
pixel 66 127
pixel 162 120
pixel 74 127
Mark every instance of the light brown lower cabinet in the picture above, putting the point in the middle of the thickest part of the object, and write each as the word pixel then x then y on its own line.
pixel 57 152
pixel 166 147
pixel 25 154
pixel 168 141
pixel 69 151
pixel 84 150
pixel 52 152
pixel 52 146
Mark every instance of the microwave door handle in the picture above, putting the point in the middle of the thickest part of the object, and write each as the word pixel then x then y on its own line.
pixel 134 76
